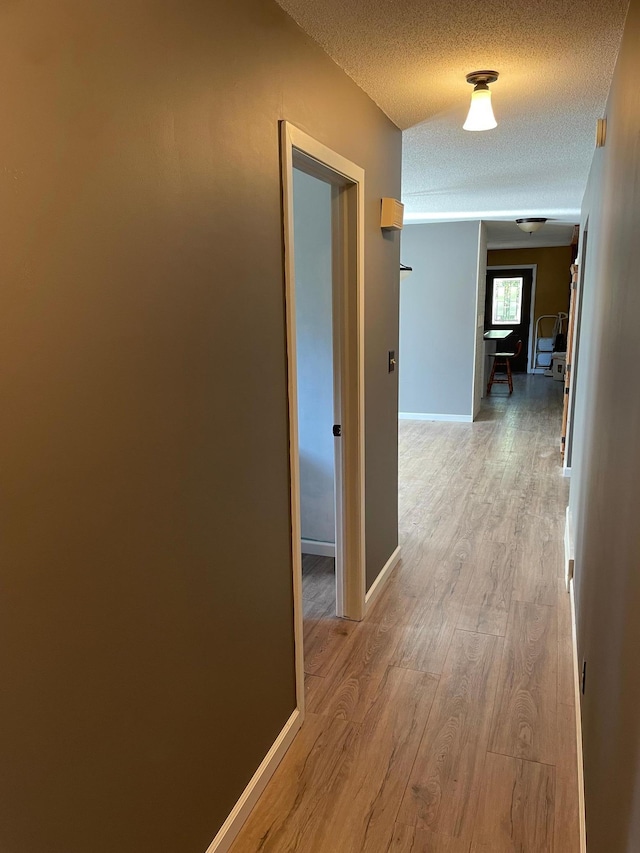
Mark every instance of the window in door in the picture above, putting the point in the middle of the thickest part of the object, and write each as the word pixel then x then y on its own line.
pixel 507 301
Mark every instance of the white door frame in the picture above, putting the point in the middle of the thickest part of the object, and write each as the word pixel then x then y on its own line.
pixel 532 315
pixel 581 260
pixel 302 151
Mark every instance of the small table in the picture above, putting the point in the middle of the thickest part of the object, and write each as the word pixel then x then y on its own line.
pixel 491 339
pixel 497 334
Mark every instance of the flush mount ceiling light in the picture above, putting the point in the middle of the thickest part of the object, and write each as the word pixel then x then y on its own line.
pixel 481 115
pixel 531 224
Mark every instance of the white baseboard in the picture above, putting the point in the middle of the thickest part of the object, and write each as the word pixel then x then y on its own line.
pixel 421 416
pixel 233 824
pixel 379 583
pixel 569 557
pixel 318 549
pixel 576 681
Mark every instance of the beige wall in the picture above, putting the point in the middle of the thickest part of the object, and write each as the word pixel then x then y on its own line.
pixel 146 648
pixel 553 275
pixel 605 482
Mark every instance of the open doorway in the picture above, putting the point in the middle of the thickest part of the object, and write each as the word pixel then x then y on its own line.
pixel 573 356
pixel 323 197
pixel 318 371
pixel 509 301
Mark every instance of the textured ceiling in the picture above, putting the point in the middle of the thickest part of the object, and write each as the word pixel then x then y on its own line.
pixel 555 59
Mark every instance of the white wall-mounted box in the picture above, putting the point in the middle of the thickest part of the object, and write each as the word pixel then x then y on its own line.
pixel 392 214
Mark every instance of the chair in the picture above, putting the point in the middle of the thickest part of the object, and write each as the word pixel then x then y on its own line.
pixel 503 360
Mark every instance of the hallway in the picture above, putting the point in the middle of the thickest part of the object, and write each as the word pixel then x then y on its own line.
pixel 444 722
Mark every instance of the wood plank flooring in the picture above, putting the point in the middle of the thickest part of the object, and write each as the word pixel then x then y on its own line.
pixel 444 722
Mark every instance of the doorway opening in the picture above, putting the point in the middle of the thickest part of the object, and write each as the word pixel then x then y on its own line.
pixel 318 374
pixel 509 306
pixel 323 209
pixel 573 356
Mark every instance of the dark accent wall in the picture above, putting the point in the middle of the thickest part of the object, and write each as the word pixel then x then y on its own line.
pixel 605 485
pixel 146 644
pixel 553 279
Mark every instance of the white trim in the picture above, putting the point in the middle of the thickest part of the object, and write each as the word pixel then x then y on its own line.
pixel 337 319
pixel 479 358
pixel 380 582
pixel 421 416
pixel 570 215
pixel 569 553
pixel 532 312
pixel 566 472
pixel 519 245
pixel 578 707
pixel 362 578
pixel 581 262
pixel 302 151
pixel 306 153
pixel 240 812
pixel 294 450
pixel 318 549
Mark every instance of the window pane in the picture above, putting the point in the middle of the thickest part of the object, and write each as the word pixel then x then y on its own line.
pixel 507 301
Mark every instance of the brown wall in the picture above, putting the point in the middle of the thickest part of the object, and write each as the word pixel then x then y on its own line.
pixel 553 276
pixel 146 650
pixel 605 482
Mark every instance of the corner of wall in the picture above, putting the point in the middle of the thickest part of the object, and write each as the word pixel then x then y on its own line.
pixel 481 284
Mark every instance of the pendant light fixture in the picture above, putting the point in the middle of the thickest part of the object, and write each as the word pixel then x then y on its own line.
pixel 481 115
pixel 531 224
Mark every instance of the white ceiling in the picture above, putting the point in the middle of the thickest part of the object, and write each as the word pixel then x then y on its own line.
pixel 555 59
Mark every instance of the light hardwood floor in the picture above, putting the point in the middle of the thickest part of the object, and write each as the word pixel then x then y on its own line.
pixel 444 723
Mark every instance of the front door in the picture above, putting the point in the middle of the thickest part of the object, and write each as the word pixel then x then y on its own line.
pixel 508 306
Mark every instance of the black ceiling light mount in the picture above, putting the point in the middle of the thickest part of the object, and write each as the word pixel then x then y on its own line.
pixel 482 79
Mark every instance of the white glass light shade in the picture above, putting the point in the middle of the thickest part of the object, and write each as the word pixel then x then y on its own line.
pixel 481 115
pixel 529 226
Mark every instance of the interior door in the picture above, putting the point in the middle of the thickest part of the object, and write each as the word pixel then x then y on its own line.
pixel 508 306
pixel 568 370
